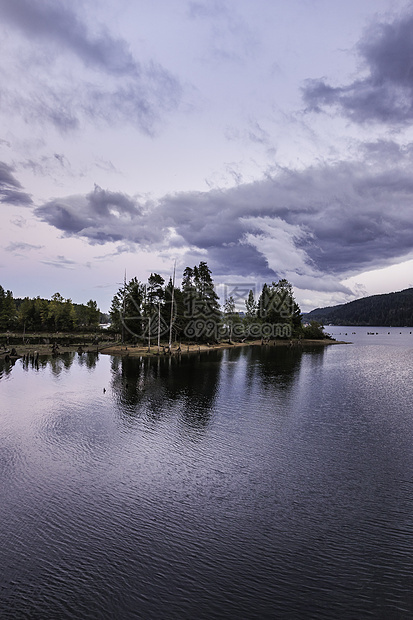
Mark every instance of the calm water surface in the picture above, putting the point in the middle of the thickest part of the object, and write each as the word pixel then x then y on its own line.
pixel 251 483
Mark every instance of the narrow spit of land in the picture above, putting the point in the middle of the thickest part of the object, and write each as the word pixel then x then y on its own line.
pixel 183 349
pixel 16 351
pixel 16 346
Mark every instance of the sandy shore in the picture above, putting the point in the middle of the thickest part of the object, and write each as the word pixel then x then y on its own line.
pixel 17 351
pixel 140 351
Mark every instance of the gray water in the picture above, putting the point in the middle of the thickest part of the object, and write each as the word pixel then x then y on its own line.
pixel 262 482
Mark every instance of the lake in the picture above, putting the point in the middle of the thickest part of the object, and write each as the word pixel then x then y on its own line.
pixel 258 482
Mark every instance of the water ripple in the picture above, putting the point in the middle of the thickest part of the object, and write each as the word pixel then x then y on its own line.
pixel 235 485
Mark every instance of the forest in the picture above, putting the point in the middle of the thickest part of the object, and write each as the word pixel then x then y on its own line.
pixel 159 310
pixel 389 310
pixel 46 315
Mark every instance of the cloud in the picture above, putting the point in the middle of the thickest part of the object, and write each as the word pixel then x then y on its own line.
pixel 17 247
pixel 47 165
pixel 253 133
pixel 231 38
pixel 113 86
pixel 313 226
pixel 385 95
pixel 11 189
pixel 206 9
pixel 60 262
pixel 58 23
pixel 20 222
pixel 7 178
pixel 101 216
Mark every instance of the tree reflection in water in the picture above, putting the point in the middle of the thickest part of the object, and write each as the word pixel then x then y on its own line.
pixel 156 387
pixel 282 363
pixel 6 366
pixel 57 363
pixel 88 359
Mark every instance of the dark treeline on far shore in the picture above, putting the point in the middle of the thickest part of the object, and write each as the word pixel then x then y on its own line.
pixel 388 309
pixel 47 315
pixel 156 310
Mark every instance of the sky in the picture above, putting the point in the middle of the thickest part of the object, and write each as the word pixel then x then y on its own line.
pixel 270 139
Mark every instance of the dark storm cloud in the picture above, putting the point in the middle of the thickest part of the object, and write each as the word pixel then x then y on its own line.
pixel 131 92
pixel 328 221
pixel 58 23
pixel 100 216
pixel 11 189
pixel 386 94
pixel 7 178
pixel 239 259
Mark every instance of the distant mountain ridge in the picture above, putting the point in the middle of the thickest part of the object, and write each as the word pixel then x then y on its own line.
pixel 390 309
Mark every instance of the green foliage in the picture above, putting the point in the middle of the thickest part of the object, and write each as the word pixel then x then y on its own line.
pixel 61 313
pixel 206 300
pixel 196 313
pixel 277 307
pixel 202 315
pixel 178 312
pixel 141 312
pixel 154 295
pixel 231 317
pixel 33 314
pixel 391 309
pixel 126 311
pixel 313 331
pixel 251 308
pixel 7 310
pixel 92 314
pixel 37 314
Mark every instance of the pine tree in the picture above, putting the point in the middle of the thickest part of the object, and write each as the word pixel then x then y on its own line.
pixel 251 308
pixel 7 310
pixel 93 313
pixel 208 301
pixel 154 296
pixel 231 317
pixel 126 310
pixel 202 312
pixel 277 307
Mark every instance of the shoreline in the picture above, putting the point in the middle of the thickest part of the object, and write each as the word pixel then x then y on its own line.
pixel 37 350
pixel 17 351
pixel 139 351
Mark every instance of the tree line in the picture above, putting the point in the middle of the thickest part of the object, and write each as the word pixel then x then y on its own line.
pixel 156 310
pixel 389 309
pixel 45 315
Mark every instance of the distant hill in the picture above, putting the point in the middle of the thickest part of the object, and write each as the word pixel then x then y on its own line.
pixel 391 309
